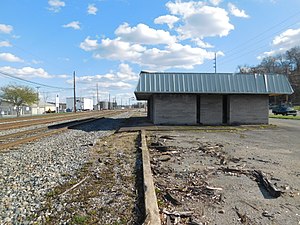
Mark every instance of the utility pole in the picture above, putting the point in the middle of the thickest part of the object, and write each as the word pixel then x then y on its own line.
pixel 108 100
pixel 74 87
pixel 97 98
pixel 38 100
pixel 215 62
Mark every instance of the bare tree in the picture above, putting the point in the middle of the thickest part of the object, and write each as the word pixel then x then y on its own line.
pixel 293 55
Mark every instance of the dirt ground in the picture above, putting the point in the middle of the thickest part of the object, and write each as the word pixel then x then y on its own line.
pixel 208 176
pixel 106 191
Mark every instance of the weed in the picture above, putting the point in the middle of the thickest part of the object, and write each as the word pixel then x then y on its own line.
pixel 78 220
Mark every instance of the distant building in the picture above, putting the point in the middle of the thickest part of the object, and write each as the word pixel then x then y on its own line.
pixel 8 109
pixel 210 99
pixel 82 104
pixel 42 108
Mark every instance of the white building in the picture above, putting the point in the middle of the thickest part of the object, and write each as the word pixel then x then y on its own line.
pixel 82 104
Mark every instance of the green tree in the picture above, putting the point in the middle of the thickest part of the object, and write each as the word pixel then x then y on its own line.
pixel 19 96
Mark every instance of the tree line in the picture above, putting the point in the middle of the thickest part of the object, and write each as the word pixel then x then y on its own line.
pixel 284 63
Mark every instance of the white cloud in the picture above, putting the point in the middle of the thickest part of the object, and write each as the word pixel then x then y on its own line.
pixel 92 9
pixel 5 44
pixel 167 19
pixel 215 2
pixel 143 34
pixel 184 8
pixel 175 56
pixel 63 76
pixel 75 25
pixel 237 12
pixel 26 72
pixel 118 50
pixel 126 73
pixel 201 43
pixel 7 29
pixel 89 44
pixel 8 57
pixel 283 42
pixel 110 81
pixel 199 20
pixel 288 39
pixel 56 5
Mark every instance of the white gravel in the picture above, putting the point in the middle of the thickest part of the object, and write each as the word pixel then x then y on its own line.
pixel 30 172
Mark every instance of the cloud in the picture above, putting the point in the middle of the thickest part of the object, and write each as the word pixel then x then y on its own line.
pixel 7 29
pixel 89 44
pixel 75 25
pixel 26 72
pixel 175 56
pixel 288 39
pixel 201 43
pixel 215 2
pixel 8 57
pixel 126 73
pixel 158 49
pixel 237 12
pixel 199 20
pixel 118 50
pixel 56 5
pixel 283 42
pixel 143 34
pixel 114 80
pixel 92 9
pixel 184 8
pixel 5 44
pixel 167 19
pixel 63 76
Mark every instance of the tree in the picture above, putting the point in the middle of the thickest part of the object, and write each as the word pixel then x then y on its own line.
pixel 19 96
pixel 293 55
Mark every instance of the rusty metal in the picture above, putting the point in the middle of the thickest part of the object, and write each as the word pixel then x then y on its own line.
pixel 42 132
pixel 15 124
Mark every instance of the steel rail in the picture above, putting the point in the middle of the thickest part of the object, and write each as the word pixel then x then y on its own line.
pixel 43 132
pixel 20 124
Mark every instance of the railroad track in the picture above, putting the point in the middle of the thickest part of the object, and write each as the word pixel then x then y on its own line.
pixel 15 123
pixel 22 137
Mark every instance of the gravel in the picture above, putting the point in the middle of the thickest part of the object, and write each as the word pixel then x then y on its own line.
pixel 28 173
pixel 11 131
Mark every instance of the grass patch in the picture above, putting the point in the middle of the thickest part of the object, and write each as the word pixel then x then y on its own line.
pixel 77 219
pixel 285 117
pixel 297 107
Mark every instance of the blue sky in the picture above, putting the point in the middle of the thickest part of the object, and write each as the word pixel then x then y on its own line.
pixel 108 42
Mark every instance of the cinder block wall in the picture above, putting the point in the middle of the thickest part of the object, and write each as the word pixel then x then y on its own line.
pixel 177 109
pixel 249 109
pixel 211 109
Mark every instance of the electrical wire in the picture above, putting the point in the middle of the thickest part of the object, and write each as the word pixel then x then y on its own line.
pixel 32 82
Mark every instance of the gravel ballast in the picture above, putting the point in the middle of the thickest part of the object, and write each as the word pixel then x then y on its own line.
pixel 29 172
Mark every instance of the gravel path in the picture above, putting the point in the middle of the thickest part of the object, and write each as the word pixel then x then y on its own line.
pixel 29 173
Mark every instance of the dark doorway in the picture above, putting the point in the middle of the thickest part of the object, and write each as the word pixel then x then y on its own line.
pixel 198 109
pixel 225 109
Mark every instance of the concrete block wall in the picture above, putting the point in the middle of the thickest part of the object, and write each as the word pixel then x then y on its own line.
pixel 211 109
pixel 174 109
pixel 249 109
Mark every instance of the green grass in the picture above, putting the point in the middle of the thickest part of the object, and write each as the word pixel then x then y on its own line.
pixel 297 107
pixel 285 117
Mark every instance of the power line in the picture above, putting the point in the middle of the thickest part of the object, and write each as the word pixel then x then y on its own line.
pixel 235 53
pixel 247 46
pixel 32 82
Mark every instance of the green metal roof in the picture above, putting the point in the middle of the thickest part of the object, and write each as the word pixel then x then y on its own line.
pixel 211 83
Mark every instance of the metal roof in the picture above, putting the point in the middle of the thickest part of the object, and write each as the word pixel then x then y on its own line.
pixel 211 83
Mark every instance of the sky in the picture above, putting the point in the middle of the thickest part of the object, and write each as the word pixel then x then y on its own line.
pixel 106 43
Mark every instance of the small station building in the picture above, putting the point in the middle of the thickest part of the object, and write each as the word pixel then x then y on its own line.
pixel 209 98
